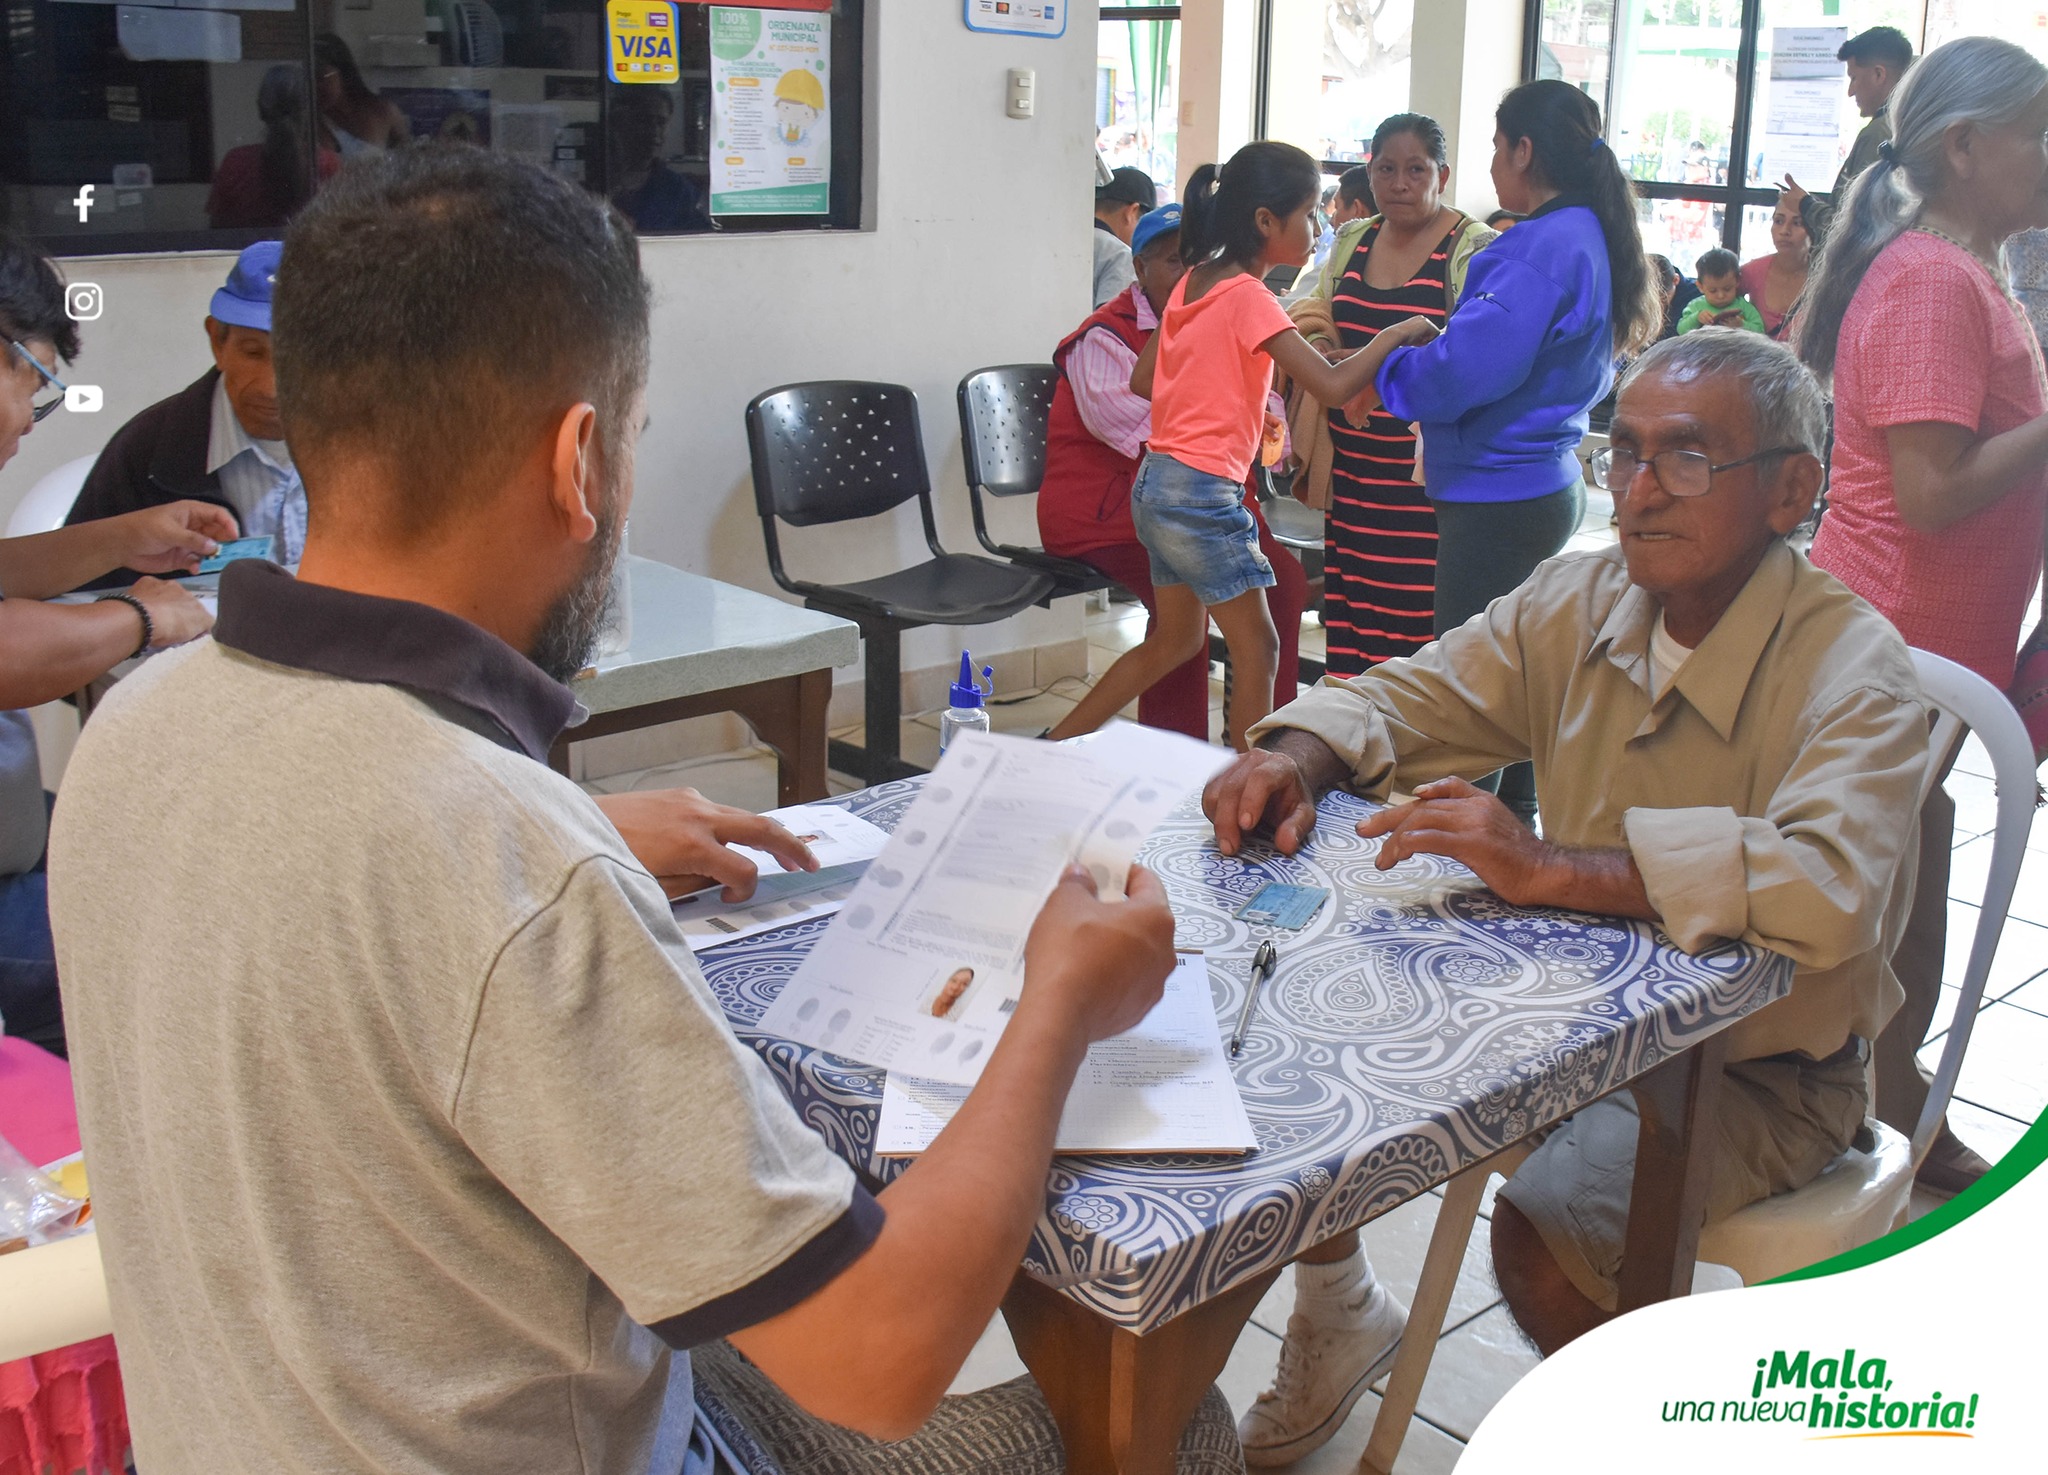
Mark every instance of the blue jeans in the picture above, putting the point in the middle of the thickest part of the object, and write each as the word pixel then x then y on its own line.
pixel 28 962
pixel 1197 531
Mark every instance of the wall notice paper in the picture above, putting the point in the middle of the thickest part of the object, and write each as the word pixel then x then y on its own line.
pixel 842 843
pixel 924 965
pixel 1162 1087
pixel 771 124
pixel 1803 116
pixel 1047 18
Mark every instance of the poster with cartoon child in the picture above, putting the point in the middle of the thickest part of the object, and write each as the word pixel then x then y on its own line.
pixel 771 123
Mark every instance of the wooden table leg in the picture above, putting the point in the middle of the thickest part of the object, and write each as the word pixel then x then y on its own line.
pixel 1668 1202
pixel 789 716
pixel 1122 1400
pixel 786 713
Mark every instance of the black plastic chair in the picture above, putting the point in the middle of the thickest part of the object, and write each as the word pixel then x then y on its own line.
pixel 1003 414
pixel 842 450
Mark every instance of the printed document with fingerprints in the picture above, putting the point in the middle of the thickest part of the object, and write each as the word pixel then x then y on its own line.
pixel 924 964
pixel 1162 1087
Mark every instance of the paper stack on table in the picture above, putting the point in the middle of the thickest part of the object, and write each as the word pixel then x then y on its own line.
pixel 843 844
pixel 923 966
pixel 1162 1087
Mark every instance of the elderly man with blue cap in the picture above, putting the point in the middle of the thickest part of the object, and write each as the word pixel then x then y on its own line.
pixel 219 439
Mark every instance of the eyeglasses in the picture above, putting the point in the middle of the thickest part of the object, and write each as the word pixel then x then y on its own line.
pixel 48 407
pixel 1680 473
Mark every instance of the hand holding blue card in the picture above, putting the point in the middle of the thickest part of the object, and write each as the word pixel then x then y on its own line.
pixel 239 548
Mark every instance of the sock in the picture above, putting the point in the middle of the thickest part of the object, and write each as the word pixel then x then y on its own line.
pixel 1333 1296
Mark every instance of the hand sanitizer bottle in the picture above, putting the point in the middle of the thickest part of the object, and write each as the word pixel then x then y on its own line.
pixel 966 711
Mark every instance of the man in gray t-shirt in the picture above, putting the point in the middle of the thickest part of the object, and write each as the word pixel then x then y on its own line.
pixel 418 1143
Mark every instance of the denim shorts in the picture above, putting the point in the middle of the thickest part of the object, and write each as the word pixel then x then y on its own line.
pixel 1197 531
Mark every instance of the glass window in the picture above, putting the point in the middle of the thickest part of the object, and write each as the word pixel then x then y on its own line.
pixel 1669 77
pixel 150 127
pixel 1336 70
pixel 1768 161
pixel 1137 91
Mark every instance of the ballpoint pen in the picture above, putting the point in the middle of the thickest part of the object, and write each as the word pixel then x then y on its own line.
pixel 1264 961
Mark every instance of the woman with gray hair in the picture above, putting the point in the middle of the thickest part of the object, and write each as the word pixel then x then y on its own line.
pixel 1939 478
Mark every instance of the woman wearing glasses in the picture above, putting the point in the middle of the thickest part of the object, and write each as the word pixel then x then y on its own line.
pixel 1940 466
pixel 48 651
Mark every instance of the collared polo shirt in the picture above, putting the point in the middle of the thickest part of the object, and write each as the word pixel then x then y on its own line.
pixel 257 478
pixel 417 1139
pixel 1768 795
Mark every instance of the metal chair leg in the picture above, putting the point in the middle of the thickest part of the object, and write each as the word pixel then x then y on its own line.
pixel 880 757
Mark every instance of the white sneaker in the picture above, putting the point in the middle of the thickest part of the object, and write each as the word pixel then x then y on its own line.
pixel 1322 1374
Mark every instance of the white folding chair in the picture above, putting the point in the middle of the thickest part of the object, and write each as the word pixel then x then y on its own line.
pixel 52 1296
pixel 1861 1194
pixel 1866 1191
pixel 45 505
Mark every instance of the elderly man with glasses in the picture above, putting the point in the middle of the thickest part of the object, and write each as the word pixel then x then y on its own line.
pixel 1727 743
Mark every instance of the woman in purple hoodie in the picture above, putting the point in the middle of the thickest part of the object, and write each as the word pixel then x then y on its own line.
pixel 1502 395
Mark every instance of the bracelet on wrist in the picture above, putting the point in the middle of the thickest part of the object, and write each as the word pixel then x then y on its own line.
pixel 142 610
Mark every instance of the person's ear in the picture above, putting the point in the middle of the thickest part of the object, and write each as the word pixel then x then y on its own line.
pixel 572 485
pixel 1958 141
pixel 1794 491
pixel 1266 221
pixel 1523 154
pixel 217 339
pixel 1443 178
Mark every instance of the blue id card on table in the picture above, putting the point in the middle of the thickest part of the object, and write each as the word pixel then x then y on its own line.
pixel 1281 904
pixel 238 548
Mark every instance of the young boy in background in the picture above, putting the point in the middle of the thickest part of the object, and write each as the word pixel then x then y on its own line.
pixel 1720 303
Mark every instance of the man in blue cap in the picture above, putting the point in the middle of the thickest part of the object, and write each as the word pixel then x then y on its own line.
pixel 219 439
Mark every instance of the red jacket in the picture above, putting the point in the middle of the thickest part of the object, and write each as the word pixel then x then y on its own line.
pixel 1085 500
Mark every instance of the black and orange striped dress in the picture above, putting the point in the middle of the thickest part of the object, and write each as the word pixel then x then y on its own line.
pixel 1379 566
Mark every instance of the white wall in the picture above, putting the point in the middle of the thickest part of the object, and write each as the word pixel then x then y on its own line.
pixel 1219 42
pixel 980 254
pixel 1465 56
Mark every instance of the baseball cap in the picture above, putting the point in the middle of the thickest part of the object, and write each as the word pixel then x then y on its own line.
pixel 1130 187
pixel 1154 224
pixel 245 300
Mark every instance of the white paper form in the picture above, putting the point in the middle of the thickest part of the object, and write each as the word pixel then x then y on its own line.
pixel 843 844
pixel 1162 1087
pixel 923 966
pixel 1803 119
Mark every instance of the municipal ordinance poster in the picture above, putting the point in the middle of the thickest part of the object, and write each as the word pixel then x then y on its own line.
pixel 771 123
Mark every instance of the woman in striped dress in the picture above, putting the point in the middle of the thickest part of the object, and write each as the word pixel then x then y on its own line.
pixel 1379 569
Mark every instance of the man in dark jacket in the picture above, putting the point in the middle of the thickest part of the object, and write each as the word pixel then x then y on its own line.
pixel 219 439
pixel 1877 61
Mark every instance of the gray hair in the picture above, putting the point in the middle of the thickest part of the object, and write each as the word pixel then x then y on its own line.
pixel 1784 397
pixel 1979 80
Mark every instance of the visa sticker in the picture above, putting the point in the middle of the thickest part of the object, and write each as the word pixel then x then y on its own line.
pixel 643 41
pixel 235 549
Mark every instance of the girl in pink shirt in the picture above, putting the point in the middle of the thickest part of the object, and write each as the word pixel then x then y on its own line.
pixel 1207 372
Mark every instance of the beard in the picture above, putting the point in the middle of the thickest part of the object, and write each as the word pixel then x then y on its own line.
pixel 569 630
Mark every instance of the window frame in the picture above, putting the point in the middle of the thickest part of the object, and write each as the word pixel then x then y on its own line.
pixel 1735 199
pixel 847 198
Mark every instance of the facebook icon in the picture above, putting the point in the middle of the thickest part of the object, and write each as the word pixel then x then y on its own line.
pixel 83 204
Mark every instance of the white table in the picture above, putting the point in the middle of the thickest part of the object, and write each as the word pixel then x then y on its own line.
pixel 698 646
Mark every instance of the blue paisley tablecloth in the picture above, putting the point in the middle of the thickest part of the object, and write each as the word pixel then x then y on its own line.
pixel 1416 1025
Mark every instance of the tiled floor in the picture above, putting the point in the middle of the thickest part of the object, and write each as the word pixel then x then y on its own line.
pixel 2004 1082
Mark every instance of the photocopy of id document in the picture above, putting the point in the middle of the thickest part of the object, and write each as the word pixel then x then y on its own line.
pixel 924 964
